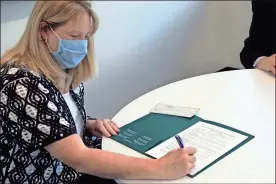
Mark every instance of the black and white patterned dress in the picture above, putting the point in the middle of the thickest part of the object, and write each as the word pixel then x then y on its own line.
pixel 33 114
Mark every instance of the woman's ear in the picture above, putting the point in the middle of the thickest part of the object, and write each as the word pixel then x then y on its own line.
pixel 43 28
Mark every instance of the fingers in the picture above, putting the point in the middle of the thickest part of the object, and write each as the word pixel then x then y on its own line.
pixel 191 165
pixel 114 126
pixel 272 60
pixel 91 121
pixel 175 150
pixel 273 70
pixel 191 162
pixel 108 127
pixel 192 159
pixel 273 64
pixel 103 129
pixel 96 133
pixel 190 150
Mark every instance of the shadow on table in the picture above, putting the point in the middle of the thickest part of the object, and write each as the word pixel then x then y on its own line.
pixel 227 69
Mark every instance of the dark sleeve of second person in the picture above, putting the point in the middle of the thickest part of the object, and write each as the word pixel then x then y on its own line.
pixel 261 40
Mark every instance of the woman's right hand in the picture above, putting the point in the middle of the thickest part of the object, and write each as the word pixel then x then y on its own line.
pixel 176 163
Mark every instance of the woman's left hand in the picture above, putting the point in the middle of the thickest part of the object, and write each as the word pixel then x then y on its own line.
pixel 103 127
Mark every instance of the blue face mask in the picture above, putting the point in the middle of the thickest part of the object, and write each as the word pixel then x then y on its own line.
pixel 70 52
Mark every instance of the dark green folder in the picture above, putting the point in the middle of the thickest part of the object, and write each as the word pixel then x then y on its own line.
pixel 153 129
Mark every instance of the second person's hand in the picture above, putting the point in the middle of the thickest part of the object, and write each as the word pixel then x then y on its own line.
pixel 267 64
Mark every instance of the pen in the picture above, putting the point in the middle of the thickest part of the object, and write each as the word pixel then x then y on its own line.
pixel 179 141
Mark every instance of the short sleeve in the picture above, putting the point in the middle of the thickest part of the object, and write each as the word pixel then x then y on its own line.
pixel 33 114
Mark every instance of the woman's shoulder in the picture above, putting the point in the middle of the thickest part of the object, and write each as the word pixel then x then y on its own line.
pixel 10 69
pixel 10 74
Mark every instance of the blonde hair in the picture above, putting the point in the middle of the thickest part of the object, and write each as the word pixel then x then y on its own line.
pixel 32 52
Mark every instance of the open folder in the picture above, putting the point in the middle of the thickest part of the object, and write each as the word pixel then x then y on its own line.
pixel 153 135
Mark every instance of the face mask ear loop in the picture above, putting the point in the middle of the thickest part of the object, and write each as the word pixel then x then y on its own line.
pixel 54 32
pixel 46 39
pixel 46 42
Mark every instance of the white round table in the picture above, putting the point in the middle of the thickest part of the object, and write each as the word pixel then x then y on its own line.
pixel 243 99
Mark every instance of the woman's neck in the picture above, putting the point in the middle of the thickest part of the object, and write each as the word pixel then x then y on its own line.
pixel 64 84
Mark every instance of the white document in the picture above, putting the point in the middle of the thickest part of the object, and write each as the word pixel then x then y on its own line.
pixel 210 141
pixel 175 110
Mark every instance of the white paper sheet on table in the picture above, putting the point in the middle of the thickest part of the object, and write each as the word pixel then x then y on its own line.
pixel 210 141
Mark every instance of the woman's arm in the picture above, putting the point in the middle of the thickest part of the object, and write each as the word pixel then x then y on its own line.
pixel 74 153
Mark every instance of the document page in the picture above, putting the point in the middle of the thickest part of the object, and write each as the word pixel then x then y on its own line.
pixel 210 141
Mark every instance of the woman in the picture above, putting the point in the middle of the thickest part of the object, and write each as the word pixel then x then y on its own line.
pixel 44 132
